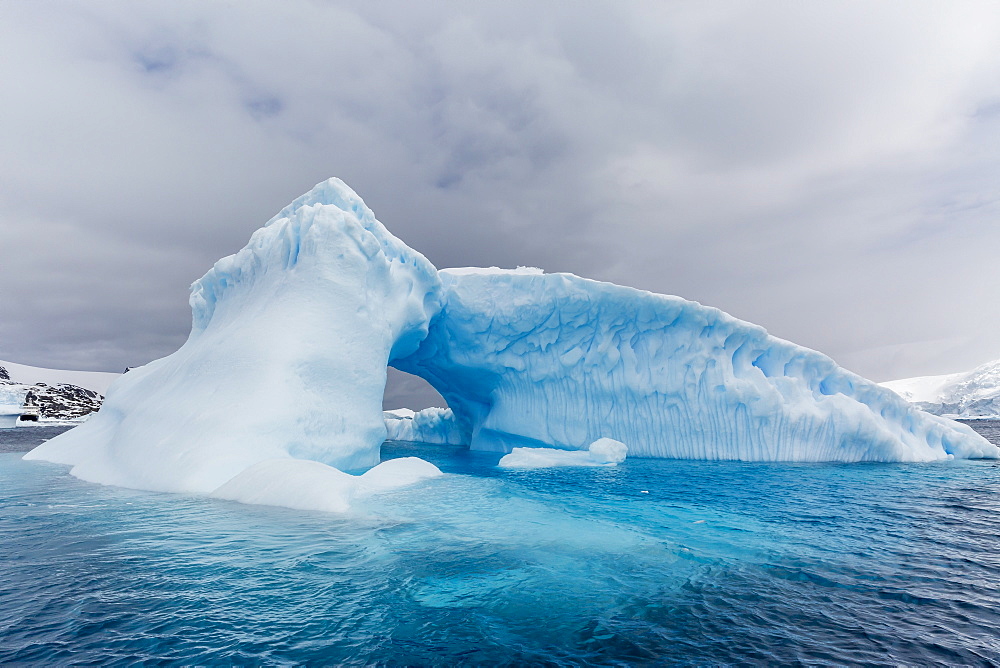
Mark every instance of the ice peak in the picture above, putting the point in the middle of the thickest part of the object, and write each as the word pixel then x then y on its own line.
pixel 492 271
pixel 330 216
pixel 332 192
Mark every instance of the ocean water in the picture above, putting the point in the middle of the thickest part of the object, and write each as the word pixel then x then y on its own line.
pixel 654 561
pixel 22 439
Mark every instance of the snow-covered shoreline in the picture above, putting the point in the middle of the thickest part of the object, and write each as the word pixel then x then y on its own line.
pixel 53 401
pixel 97 381
pixel 53 423
pixel 968 395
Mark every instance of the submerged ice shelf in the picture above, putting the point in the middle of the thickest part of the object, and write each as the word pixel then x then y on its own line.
pixel 285 369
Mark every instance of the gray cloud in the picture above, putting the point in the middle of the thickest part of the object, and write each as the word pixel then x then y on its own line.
pixel 826 170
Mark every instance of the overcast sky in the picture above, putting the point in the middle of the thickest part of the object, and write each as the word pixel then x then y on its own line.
pixel 829 170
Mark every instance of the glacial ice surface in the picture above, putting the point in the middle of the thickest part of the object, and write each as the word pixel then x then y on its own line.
pixel 11 402
pixel 540 360
pixel 12 395
pixel 307 485
pixel 602 452
pixel 286 358
pixel 431 425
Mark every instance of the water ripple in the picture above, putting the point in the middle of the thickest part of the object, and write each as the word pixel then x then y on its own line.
pixel 719 563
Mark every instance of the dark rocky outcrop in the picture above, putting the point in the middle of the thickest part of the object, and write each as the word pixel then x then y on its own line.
pixel 64 402
pixel 57 402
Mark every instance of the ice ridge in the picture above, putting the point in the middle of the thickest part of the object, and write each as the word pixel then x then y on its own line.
pixel 541 360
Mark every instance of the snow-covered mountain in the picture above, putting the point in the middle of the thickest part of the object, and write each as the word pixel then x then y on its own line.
pixel 969 394
pixel 59 394
pixel 98 381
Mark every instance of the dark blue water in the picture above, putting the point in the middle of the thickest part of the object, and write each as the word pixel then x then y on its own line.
pixel 717 563
pixel 24 438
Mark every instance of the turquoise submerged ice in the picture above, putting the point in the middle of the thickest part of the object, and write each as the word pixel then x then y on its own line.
pixel 286 367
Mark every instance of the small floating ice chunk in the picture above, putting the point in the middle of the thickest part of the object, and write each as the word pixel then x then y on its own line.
pixel 608 451
pixel 396 473
pixel 602 452
pixel 307 485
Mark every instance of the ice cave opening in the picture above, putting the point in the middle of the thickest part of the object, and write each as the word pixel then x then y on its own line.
pixel 415 412
pixel 406 390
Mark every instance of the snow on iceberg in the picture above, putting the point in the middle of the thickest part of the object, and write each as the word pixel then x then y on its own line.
pixel 541 360
pixel 602 452
pixel 431 425
pixel 286 358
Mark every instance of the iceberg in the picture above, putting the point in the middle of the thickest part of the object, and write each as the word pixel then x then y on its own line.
pixel 303 484
pixel 286 358
pixel 283 374
pixel 528 359
pixel 602 452
pixel 431 425
pixel 11 404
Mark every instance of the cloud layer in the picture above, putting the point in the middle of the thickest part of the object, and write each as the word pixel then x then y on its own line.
pixel 826 170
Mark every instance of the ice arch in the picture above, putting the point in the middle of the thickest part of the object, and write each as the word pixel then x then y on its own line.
pixel 282 377
pixel 531 359
pixel 286 358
